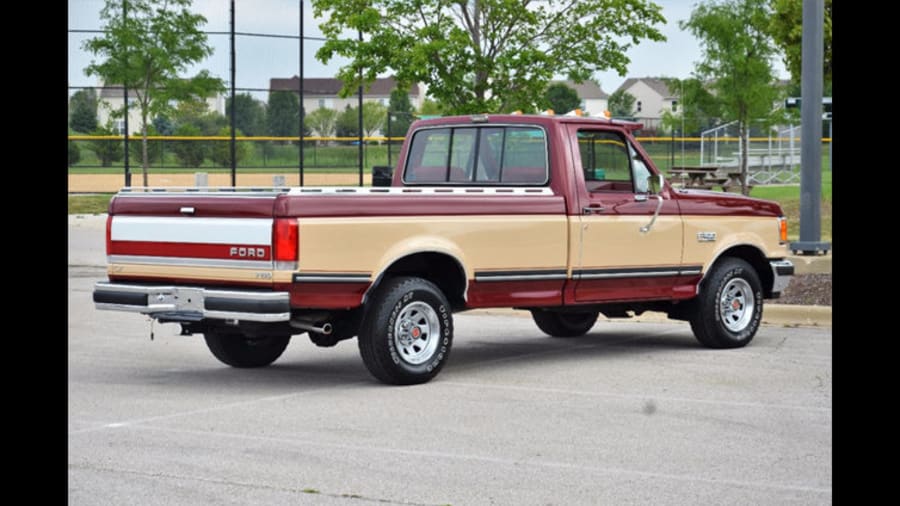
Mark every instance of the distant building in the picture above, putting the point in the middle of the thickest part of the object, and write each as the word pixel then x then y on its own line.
pixel 323 92
pixel 594 101
pixel 112 98
pixel 651 95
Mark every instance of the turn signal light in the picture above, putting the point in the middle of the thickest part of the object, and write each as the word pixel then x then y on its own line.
pixel 782 229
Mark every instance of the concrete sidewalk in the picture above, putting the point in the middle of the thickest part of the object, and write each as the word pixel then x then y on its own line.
pixel 87 245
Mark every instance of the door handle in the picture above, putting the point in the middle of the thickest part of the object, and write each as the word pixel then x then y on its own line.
pixel 592 208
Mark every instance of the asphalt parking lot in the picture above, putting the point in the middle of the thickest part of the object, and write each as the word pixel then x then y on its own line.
pixel 632 413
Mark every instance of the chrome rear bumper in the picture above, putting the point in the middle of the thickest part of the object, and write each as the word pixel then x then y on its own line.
pixel 181 303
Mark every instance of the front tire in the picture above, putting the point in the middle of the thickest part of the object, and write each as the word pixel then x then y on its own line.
pixel 564 324
pixel 406 335
pixel 237 350
pixel 728 311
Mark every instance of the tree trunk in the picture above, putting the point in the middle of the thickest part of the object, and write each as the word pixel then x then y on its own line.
pixel 743 128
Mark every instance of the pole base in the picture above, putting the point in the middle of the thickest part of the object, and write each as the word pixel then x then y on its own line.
pixel 810 247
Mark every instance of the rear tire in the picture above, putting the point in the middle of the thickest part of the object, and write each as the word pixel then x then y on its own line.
pixel 237 350
pixel 728 311
pixel 407 333
pixel 564 324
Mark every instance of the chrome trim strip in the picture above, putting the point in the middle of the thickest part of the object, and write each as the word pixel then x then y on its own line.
pixel 340 278
pixel 488 277
pixel 629 274
pixel 192 262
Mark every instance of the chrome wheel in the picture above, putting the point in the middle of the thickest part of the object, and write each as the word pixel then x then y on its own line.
pixel 737 304
pixel 417 333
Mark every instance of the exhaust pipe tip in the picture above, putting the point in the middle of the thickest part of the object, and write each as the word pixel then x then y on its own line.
pixel 327 329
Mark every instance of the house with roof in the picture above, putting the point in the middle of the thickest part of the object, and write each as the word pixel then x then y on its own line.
pixel 652 97
pixel 323 92
pixel 112 97
pixel 594 101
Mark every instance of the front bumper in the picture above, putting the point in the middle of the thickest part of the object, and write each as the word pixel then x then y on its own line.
pixel 190 304
pixel 782 270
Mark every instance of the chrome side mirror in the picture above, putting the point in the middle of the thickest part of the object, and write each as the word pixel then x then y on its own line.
pixel 655 183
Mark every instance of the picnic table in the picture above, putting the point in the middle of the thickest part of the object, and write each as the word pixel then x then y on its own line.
pixel 694 175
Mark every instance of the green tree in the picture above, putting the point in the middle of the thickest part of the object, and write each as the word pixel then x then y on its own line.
pixel 737 52
pixel 197 113
pixel 561 98
pixel 154 148
pixel 621 104
pixel 786 27
pixel 249 114
pixel 221 150
pixel 322 121
pixel 107 150
pixel 283 114
pixel 374 117
pixel 84 111
pixel 163 125
pixel 401 110
pixel 146 48
pixel 483 55
pixel 348 122
pixel 190 153
pixel 431 107
pixel 697 108
pixel 74 153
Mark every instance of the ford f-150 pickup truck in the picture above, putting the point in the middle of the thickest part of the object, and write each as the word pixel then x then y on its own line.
pixel 566 217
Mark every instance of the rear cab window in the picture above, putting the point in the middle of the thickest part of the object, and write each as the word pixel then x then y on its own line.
pixel 478 155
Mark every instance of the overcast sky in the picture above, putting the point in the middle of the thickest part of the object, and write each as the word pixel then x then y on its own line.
pixel 259 59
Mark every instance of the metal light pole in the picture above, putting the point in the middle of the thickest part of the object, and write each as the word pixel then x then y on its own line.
pixel 233 116
pixel 125 96
pixel 360 104
pixel 811 137
pixel 302 112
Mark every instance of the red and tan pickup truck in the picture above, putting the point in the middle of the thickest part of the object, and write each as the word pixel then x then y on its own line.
pixel 565 217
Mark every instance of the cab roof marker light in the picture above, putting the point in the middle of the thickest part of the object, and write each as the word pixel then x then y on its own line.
pixel 479 118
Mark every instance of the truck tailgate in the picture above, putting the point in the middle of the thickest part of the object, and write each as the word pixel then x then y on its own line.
pixel 193 237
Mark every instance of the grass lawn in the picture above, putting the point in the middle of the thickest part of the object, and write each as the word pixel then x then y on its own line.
pixel 89 204
pixel 789 198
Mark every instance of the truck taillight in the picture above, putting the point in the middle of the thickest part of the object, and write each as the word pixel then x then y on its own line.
pixel 782 229
pixel 285 240
pixel 108 234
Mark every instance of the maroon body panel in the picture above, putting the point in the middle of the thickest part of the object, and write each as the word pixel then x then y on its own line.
pixel 514 293
pixel 711 203
pixel 324 295
pixel 205 206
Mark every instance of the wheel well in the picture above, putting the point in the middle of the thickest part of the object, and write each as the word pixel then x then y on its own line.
pixel 757 260
pixel 443 270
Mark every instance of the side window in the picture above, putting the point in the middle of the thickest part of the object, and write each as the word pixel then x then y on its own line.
pixel 427 162
pixel 605 161
pixel 487 155
pixel 461 159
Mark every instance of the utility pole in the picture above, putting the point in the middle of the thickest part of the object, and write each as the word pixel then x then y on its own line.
pixel 811 76
pixel 233 117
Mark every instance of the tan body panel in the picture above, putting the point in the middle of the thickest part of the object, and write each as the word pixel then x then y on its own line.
pixel 616 241
pixel 759 232
pixel 216 274
pixel 479 243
